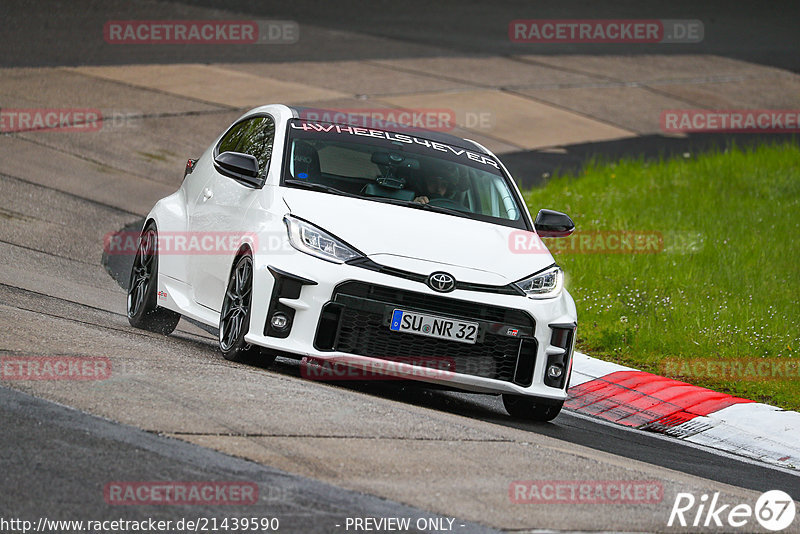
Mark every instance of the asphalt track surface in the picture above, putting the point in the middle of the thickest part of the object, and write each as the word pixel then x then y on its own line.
pixel 320 452
pixel 42 34
pixel 80 454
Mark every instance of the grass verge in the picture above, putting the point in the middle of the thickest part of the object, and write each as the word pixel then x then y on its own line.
pixel 715 299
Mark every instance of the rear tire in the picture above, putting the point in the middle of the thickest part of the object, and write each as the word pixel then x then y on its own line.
pixel 234 319
pixel 531 408
pixel 143 310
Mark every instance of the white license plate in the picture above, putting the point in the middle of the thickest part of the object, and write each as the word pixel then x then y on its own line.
pixel 433 326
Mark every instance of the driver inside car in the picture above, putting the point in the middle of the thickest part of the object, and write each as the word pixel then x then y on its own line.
pixel 435 186
pixel 441 182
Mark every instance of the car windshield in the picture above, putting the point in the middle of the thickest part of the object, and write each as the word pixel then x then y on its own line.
pixel 399 168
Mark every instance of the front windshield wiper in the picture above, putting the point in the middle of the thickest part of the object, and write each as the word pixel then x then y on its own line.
pixel 417 205
pixel 320 187
pixel 442 209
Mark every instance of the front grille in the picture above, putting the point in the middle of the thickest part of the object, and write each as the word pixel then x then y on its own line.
pixel 435 304
pixel 356 321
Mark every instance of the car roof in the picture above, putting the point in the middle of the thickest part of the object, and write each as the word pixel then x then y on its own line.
pixel 429 134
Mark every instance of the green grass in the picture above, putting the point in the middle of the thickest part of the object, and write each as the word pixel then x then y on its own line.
pixel 725 285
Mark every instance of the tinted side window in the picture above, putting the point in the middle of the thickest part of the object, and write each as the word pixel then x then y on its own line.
pixel 232 138
pixel 253 136
pixel 257 141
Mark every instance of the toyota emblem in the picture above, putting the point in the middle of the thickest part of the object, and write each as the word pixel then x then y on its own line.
pixel 441 282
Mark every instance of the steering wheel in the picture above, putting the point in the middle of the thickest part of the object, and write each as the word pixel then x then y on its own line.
pixel 444 202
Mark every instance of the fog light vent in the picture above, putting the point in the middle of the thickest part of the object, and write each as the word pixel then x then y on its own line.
pixel 279 321
pixel 555 371
pixel 559 361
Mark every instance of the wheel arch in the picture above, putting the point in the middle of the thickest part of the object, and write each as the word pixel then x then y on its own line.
pixel 150 219
pixel 244 248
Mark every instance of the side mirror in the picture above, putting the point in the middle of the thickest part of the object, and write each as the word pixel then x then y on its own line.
pixel 551 223
pixel 242 167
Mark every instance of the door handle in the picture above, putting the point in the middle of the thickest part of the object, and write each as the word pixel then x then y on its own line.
pixel 207 193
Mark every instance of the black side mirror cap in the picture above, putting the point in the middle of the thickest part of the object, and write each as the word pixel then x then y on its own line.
pixel 242 167
pixel 551 223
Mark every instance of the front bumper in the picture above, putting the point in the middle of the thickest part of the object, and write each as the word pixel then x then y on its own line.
pixel 340 312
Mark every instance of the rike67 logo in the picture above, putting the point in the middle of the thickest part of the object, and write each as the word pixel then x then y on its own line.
pixel 774 510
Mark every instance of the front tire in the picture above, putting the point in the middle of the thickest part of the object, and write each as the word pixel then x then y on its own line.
pixel 234 320
pixel 143 310
pixel 531 408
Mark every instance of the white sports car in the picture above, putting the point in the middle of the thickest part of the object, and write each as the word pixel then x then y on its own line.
pixel 383 249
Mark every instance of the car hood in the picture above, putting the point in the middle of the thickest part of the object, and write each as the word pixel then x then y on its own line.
pixel 423 241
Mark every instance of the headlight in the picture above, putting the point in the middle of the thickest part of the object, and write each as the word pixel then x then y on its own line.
pixel 544 285
pixel 307 238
